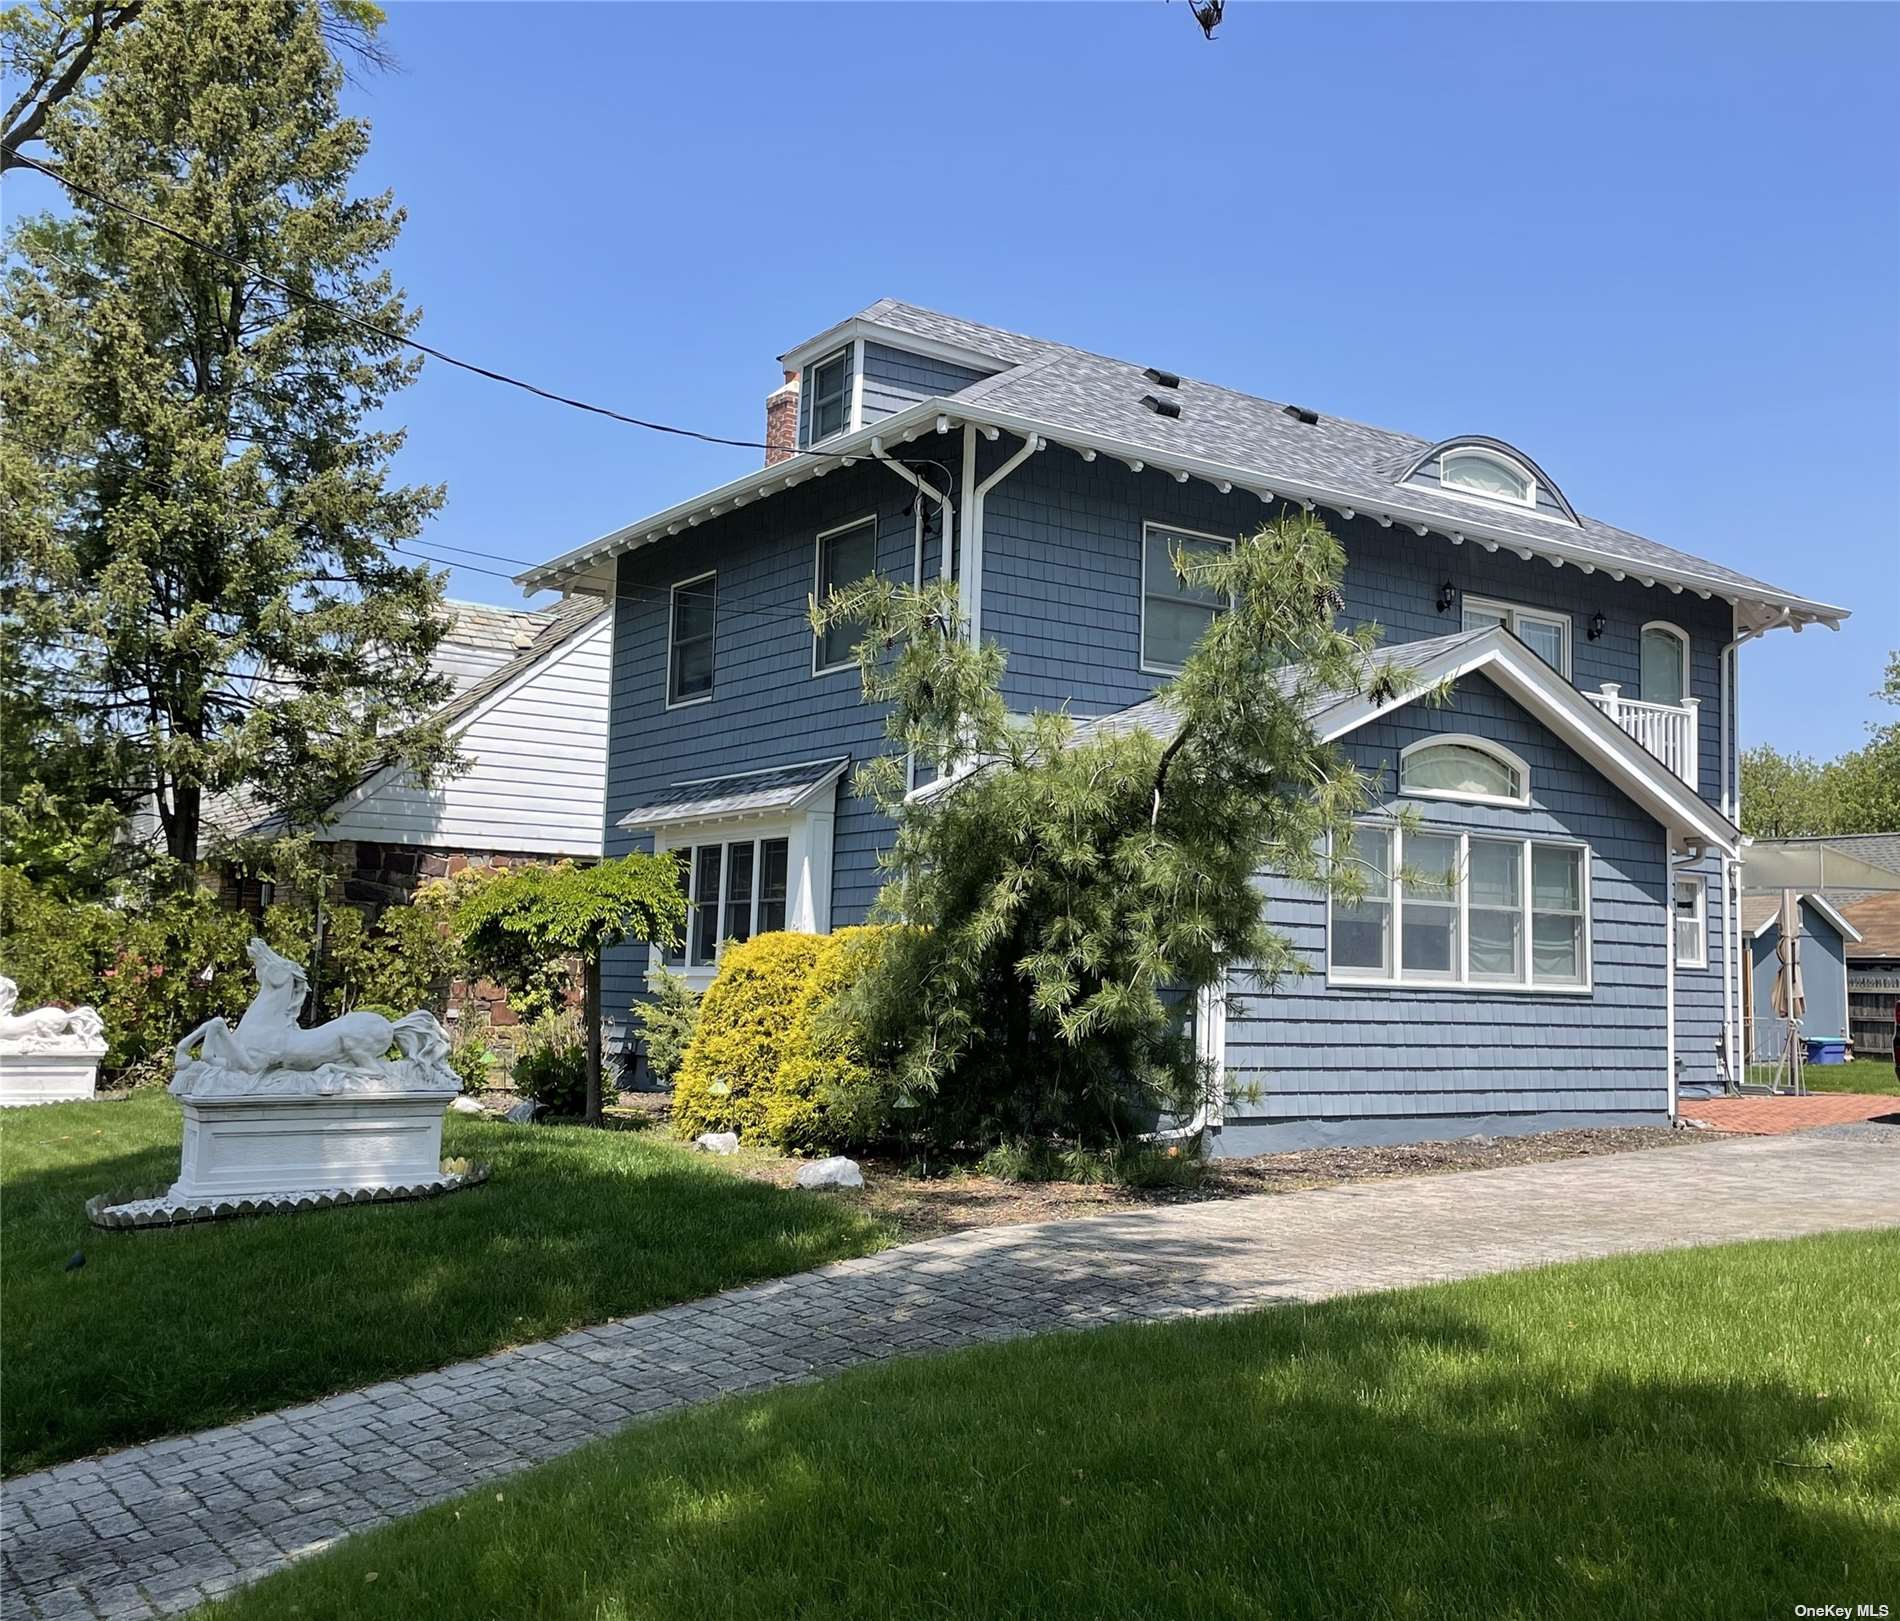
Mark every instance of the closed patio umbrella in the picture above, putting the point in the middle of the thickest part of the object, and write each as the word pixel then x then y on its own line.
pixel 1790 1000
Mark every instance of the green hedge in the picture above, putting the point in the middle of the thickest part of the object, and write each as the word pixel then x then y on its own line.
pixel 731 1065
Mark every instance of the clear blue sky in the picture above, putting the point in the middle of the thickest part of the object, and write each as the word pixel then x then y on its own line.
pixel 1658 247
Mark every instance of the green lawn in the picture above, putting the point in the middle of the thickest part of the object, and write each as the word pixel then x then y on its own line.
pixel 183 1328
pixel 1873 1075
pixel 1713 1433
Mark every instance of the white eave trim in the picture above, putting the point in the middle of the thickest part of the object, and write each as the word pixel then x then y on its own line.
pixel 1522 675
pixel 945 414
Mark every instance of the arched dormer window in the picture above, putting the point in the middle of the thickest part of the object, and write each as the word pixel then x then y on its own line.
pixel 1472 769
pixel 1480 469
pixel 1664 674
pixel 1472 470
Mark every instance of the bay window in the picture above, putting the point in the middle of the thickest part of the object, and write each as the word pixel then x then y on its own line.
pixel 734 889
pixel 1463 909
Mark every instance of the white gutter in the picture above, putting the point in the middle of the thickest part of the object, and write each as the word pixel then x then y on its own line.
pixel 973 526
pixel 915 419
pixel 1669 972
pixel 1733 1013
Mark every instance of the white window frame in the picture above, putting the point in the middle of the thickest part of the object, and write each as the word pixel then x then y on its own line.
pixel 847 354
pixel 1682 641
pixel 818 582
pixel 1496 458
pixel 1514 612
pixel 1483 745
pixel 1700 917
pixel 1461 979
pixel 672 616
pixel 808 836
pixel 1148 667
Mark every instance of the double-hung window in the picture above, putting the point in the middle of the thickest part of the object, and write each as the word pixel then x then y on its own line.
pixel 689 643
pixel 1692 922
pixel 1174 612
pixel 830 383
pixel 734 889
pixel 1545 634
pixel 845 555
pixel 1463 909
pixel 1664 671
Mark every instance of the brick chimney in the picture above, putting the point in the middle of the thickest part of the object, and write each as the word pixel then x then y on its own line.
pixel 781 420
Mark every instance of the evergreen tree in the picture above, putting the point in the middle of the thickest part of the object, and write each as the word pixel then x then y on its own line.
pixel 1070 895
pixel 196 563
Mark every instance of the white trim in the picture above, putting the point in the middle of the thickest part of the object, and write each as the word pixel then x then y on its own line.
pixel 1669 974
pixel 858 330
pixel 1668 628
pixel 1483 745
pixel 1496 458
pixel 576 565
pixel 975 499
pixel 1527 678
pixel 672 592
pixel 1349 979
pixel 855 418
pixel 693 817
pixel 1147 524
pixel 818 583
pixel 1513 612
pixel 1700 883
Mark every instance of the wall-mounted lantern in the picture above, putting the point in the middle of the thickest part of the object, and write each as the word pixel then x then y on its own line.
pixel 1596 626
pixel 1447 596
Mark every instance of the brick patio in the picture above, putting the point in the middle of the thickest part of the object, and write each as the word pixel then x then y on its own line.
pixel 1771 1117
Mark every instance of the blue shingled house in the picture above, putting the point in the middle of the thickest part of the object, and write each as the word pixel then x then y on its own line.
pixel 1582 783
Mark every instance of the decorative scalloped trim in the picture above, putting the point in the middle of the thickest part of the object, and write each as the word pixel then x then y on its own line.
pixel 118 1212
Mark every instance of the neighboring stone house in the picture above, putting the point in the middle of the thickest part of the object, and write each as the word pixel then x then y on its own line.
pixel 1582 783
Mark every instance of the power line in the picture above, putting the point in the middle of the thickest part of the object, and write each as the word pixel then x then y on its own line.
pixel 390 335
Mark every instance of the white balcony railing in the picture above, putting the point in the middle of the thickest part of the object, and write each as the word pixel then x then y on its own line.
pixel 1668 731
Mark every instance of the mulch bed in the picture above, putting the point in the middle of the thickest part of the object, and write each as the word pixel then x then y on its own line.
pixel 921 1206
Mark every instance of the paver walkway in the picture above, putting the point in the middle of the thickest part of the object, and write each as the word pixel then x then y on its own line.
pixel 1763 1116
pixel 153 1529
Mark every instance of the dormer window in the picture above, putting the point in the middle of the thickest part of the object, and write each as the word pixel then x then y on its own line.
pixel 830 389
pixel 1484 473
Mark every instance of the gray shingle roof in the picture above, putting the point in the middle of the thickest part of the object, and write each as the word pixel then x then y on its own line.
pixel 1095 394
pixel 556 625
pixel 745 793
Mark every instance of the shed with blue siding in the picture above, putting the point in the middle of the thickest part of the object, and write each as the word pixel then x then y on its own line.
pixel 1825 936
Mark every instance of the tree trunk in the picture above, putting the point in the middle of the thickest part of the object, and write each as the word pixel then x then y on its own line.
pixel 590 1011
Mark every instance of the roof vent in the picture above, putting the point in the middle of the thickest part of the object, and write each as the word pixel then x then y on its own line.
pixel 1299 413
pixel 1166 379
pixel 1162 408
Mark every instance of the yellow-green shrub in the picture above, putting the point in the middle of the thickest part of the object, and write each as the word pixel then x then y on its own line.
pixel 824 1065
pixel 733 1059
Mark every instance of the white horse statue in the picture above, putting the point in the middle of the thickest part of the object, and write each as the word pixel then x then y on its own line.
pixel 268 1037
pixel 46 1029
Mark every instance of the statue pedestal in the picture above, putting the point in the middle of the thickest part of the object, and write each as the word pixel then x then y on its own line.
pixel 269 1147
pixel 49 1077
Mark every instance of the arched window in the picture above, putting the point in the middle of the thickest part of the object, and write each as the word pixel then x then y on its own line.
pixel 1467 768
pixel 1665 667
pixel 1469 470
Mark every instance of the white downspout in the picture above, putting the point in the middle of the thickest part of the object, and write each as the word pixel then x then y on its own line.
pixel 1669 971
pixel 973 525
pixel 1733 1013
pixel 923 487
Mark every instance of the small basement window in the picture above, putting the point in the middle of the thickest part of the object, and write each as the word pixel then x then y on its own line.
pixel 830 396
pixel 1472 471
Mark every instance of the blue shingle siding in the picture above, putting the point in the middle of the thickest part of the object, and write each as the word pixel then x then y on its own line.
pixel 1352 1064
pixel 895 378
pixel 1062 584
pixel 767 707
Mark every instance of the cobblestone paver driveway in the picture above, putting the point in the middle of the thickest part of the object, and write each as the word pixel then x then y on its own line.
pixel 154 1529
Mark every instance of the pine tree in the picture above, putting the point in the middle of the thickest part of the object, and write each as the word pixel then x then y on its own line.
pixel 196 563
